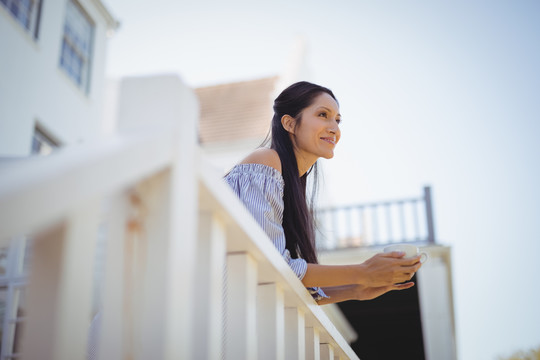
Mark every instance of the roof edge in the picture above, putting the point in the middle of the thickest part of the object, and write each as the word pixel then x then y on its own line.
pixel 224 84
pixel 112 23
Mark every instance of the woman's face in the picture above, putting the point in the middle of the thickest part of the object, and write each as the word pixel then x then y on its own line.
pixel 318 131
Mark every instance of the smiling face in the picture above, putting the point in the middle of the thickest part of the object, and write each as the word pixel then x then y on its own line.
pixel 315 131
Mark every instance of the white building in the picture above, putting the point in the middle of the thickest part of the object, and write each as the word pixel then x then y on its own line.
pixel 52 71
pixel 51 94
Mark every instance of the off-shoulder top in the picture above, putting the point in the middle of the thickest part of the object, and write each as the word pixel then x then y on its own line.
pixel 260 188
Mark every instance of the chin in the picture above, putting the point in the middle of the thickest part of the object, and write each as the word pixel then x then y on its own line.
pixel 328 156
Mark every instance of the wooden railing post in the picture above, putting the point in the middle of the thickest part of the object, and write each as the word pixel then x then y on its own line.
pixel 241 307
pixel 150 247
pixel 327 352
pixel 429 215
pixel 295 334
pixel 183 226
pixel 60 288
pixel 270 322
pixel 110 326
pixel 208 309
pixel 313 349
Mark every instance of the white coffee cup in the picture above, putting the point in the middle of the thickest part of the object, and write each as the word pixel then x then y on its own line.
pixel 408 249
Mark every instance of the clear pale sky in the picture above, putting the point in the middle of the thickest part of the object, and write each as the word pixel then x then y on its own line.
pixel 431 92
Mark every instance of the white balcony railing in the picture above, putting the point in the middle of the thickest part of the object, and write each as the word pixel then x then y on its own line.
pixel 188 274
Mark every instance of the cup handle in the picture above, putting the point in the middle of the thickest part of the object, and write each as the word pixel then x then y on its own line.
pixel 423 257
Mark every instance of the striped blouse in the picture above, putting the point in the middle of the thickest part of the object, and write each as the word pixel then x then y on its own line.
pixel 260 188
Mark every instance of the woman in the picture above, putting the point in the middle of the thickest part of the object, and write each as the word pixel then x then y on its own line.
pixel 271 182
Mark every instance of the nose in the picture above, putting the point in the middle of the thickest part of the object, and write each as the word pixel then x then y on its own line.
pixel 334 130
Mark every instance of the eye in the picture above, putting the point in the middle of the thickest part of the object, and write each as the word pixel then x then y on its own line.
pixel 323 114
pixel 338 121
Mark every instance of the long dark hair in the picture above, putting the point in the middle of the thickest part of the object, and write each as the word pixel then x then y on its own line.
pixel 298 214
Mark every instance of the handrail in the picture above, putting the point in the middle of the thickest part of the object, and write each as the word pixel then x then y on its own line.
pixel 158 190
pixel 377 223
pixel 70 175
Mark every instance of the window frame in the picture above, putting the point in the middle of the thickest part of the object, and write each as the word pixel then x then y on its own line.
pixel 68 45
pixel 15 281
pixel 31 22
pixel 43 142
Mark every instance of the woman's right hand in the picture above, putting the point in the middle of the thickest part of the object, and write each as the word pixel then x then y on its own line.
pixel 386 269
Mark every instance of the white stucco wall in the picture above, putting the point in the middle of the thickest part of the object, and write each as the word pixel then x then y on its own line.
pixel 34 87
pixel 224 156
pixel 136 102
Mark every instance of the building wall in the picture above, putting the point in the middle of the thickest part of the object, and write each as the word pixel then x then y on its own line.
pixel 225 155
pixel 140 102
pixel 434 302
pixel 34 87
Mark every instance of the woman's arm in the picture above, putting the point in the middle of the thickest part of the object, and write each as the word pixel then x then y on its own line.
pixel 358 292
pixel 381 270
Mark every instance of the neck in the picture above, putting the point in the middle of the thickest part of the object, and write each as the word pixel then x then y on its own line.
pixel 304 162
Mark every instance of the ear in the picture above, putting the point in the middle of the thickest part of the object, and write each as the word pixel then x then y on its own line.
pixel 288 123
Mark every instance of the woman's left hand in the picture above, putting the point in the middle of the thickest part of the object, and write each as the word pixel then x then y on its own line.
pixel 368 293
pixel 358 292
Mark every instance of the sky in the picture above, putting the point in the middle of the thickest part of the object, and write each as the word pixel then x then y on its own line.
pixel 433 93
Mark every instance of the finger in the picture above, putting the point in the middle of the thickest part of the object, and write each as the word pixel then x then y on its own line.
pixel 394 254
pixel 411 261
pixel 403 286
pixel 406 276
pixel 413 268
pixel 407 264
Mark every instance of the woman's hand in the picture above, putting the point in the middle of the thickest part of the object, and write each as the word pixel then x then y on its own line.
pixel 369 293
pixel 387 269
pixel 358 292
pixel 381 270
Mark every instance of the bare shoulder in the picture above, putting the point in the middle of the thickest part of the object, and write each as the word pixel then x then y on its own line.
pixel 265 156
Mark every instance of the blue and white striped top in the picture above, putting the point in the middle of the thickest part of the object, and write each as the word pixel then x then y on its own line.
pixel 260 188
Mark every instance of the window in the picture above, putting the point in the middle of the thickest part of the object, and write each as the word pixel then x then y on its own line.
pixel 13 274
pixel 43 143
pixel 77 45
pixel 26 12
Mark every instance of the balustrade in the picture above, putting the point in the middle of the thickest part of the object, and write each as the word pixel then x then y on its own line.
pixel 377 224
pixel 187 271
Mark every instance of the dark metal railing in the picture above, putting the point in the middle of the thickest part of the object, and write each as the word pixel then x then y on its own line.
pixel 375 224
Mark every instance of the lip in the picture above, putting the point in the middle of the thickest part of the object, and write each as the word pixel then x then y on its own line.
pixel 330 140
